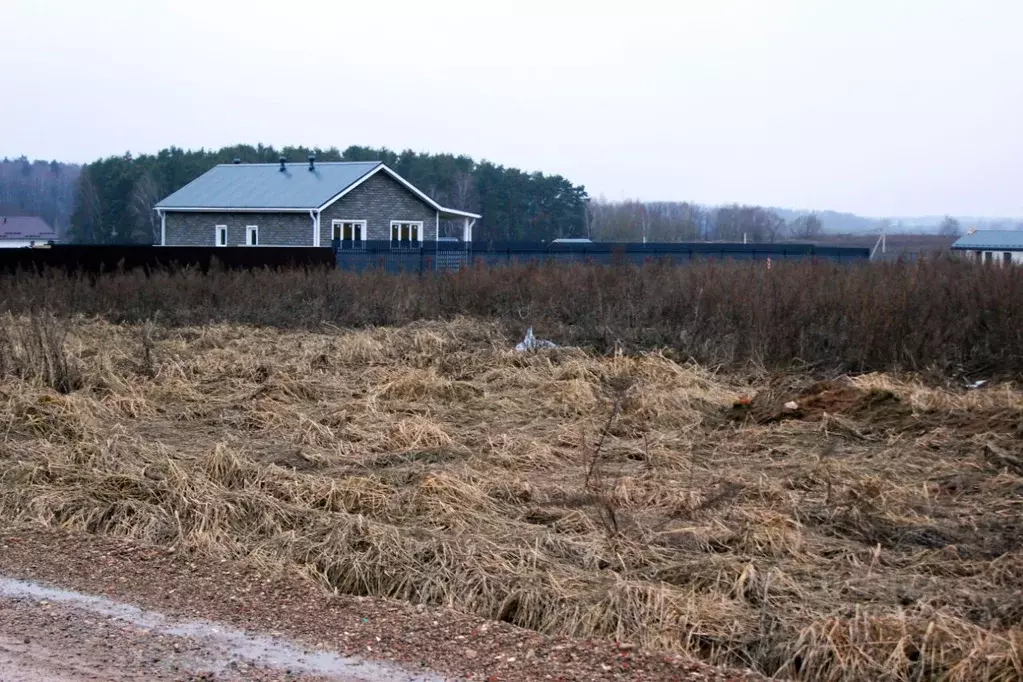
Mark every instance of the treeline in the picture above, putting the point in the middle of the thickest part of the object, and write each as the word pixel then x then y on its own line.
pixel 39 188
pixel 669 221
pixel 115 196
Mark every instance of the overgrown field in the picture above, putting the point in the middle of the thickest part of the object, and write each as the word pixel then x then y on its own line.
pixel 938 316
pixel 873 532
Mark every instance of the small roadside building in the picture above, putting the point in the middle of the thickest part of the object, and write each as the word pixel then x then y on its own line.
pixel 1002 247
pixel 24 231
pixel 298 204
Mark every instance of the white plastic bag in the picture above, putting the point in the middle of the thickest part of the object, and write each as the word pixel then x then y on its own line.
pixel 533 343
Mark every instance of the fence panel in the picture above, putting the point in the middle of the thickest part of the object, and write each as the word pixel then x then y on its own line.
pixel 446 256
pixel 96 259
pixel 404 257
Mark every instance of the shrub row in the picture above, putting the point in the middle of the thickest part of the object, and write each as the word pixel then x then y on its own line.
pixel 939 315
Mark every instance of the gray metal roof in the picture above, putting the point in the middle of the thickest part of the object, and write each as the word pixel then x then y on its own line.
pixel 265 186
pixel 25 227
pixel 993 240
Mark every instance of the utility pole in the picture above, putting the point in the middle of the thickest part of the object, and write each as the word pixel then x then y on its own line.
pixel 882 241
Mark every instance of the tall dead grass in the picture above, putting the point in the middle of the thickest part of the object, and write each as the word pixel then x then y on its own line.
pixel 34 349
pixel 865 538
pixel 941 315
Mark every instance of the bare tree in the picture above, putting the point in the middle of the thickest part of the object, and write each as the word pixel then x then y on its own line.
pixel 593 213
pixel 464 191
pixel 40 188
pixel 949 227
pixel 735 222
pixel 144 195
pixel 806 226
pixel 464 196
pixel 644 220
pixel 88 216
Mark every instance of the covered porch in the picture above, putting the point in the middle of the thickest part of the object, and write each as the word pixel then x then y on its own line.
pixel 467 220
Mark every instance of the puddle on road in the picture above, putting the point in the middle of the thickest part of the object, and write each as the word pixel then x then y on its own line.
pixel 233 643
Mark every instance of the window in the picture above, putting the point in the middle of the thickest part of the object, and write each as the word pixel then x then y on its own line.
pixel 349 232
pixel 1007 258
pixel 405 234
pixel 987 257
pixel 252 235
pixel 220 235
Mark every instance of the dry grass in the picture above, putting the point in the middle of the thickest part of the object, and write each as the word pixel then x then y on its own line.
pixel 873 534
pixel 947 317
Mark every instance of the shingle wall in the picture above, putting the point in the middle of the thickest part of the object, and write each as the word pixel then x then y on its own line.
pixel 275 229
pixel 378 201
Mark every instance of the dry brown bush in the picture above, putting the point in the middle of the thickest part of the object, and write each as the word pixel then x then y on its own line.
pixel 855 539
pixel 34 349
pixel 938 315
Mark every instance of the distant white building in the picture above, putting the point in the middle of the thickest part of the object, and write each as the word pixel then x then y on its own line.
pixel 21 231
pixel 1001 247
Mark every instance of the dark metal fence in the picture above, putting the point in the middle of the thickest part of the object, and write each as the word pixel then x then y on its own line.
pixel 430 256
pixel 94 259
pixel 425 257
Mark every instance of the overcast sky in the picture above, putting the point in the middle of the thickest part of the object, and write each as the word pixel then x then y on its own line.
pixel 878 107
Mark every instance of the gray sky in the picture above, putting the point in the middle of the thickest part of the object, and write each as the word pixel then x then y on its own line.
pixel 878 107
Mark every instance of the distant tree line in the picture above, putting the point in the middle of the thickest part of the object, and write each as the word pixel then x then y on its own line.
pixel 39 188
pixel 668 221
pixel 111 200
pixel 115 196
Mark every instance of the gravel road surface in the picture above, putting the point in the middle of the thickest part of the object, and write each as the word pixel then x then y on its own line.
pixel 80 607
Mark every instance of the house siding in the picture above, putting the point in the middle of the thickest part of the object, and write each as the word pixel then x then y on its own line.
pixel 275 229
pixel 997 255
pixel 378 201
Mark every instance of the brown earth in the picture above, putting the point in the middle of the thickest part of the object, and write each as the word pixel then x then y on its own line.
pixel 47 640
pixel 870 532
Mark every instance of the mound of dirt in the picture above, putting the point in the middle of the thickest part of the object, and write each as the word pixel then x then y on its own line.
pixel 788 399
pixel 876 408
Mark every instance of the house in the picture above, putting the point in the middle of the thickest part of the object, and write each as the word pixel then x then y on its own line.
pixel 21 231
pixel 991 246
pixel 298 204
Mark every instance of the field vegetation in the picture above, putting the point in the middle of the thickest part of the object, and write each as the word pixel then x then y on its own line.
pixel 649 481
pixel 945 317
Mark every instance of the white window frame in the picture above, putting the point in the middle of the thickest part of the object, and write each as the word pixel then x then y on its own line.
pixel 418 244
pixel 249 231
pixel 216 235
pixel 360 243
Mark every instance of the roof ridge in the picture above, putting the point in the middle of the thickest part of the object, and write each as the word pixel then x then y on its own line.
pixel 260 186
pixel 302 163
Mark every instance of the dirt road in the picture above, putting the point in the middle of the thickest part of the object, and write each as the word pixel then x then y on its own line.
pixel 79 607
pixel 49 634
